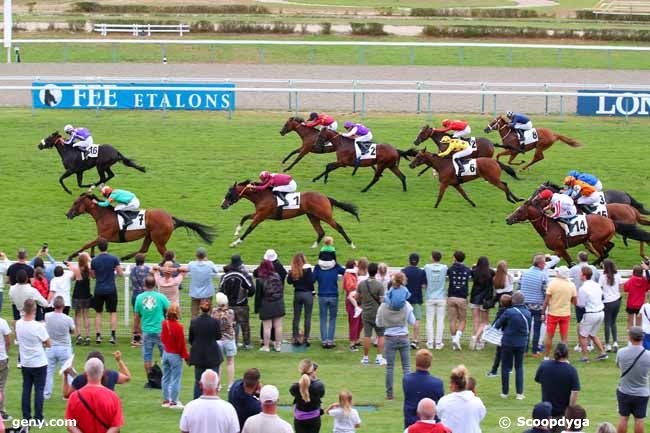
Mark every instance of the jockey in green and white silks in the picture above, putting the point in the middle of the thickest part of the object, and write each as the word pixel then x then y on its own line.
pixel 122 200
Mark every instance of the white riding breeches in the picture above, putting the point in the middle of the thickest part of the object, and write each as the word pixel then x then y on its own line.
pixel 132 205
pixel 84 144
pixel 333 126
pixel 463 133
pixel 361 139
pixel 524 126
pixel 463 153
pixel 592 199
pixel 568 211
pixel 290 187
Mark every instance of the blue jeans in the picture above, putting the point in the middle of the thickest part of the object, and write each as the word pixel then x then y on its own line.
pixel 328 305
pixel 56 355
pixel 391 346
pixel 537 327
pixel 172 365
pixel 33 377
pixel 1 299
pixel 149 341
pixel 508 355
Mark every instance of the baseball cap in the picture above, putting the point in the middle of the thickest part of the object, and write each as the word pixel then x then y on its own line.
pixel 542 410
pixel 201 252
pixel 270 255
pixel 269 394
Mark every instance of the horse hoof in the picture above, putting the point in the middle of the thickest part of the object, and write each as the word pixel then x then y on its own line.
pixel 354 247
pixel 235 243
pixel 91 188
pixel 315 244
pixel 237 230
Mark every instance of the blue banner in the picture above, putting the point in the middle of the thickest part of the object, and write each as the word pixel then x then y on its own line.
pixel 630 103
pixel 124 96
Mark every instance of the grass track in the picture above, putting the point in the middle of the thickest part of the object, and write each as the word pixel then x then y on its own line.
pixel 192 158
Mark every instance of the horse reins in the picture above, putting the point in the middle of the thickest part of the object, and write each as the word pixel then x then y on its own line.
pixel 246 188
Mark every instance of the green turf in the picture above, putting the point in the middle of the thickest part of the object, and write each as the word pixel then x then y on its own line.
pixel 192 158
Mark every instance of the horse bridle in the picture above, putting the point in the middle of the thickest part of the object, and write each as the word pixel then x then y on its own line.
pixel 246 188
pixel 505 124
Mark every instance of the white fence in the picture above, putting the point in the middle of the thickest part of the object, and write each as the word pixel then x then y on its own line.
pixel 141 29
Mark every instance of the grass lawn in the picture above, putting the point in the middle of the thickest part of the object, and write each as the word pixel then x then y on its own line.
pixel 189 175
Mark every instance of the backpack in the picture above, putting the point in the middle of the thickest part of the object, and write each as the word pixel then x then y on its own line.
pixel 234 287
pixel 154 377
pixel 272 288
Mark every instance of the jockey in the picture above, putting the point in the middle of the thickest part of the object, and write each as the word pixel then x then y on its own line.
pixel 361 134
pixel 123 201
pixel 317 120
pixel 280 183
pixel 81 134
pixel 585 195
pixel 461 149
pixel 560 207
pixel 519 123
pixel 588 178
pixel 460 127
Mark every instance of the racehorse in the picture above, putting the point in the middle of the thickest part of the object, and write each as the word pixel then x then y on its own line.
pixel 387 157
pixel 624 216
pixel 159 226
pixel 616 196
pixel 486 168
pixel 597 240
pixel 74 164
pixel 509 137
pixel 315 205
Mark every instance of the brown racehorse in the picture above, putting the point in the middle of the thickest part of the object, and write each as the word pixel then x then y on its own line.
pixel 159 226
pixel 308 136
pixel 315 205
pixel 624 216
pixel 387 157
pixel 597 240
pixel 511 141
pixel 486 168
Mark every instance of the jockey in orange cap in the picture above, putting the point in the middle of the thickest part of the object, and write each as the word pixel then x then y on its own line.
pixel 583 193
pixel 460 127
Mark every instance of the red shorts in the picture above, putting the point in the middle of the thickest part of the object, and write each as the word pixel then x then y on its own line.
pixel 553 321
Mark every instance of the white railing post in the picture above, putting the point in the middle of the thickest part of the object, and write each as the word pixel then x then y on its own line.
pixel 127 295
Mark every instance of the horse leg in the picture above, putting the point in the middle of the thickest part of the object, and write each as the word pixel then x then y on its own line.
pixel 441 193
pixel 512 158
pixel 397 172
pixel 250 228
pixel 80 179
pixel 143 249
pixel 328 168
pixel 503 186
pixel 241 223
pixel 565 255
pixel 295 161
pixel 315 222
pixel 423 171
pixel 539 155
pixel 336 226
pixel 90 244
pixel 462 192
pixel 293 152
pixel 375 178
pixel 65 175
pixel 110 176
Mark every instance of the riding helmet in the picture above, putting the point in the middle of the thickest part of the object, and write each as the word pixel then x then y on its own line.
pixel 107 190
pixel 546 194
pixel 446 122
pixel 569 180
pixel 313 115
pixel 445 139
pixel 348 124
pixel 510 114
pixel 68 128
pixel 265 175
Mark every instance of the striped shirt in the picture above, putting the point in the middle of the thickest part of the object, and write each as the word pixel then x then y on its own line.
pixel 533 285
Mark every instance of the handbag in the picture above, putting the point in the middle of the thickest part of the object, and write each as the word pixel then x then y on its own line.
pixel 492 335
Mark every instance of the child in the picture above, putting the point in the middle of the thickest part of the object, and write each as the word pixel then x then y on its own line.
pixel 350 284
pixel 398 293
pixel 636 288
pixel 645 324
pixel 505 302
pixel 327 254
pixel 346 418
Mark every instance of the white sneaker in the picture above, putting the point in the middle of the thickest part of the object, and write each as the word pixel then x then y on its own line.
pixel 264 349
pixel 365 360
pixel 380 361
pixel 472 343
pixel 504 396
pixel 357 312
pixel 165 404
pixel 520 397
pixel 608 348
pixel 615 347
pixel 577 348
pixel 439 346
pixel 429 346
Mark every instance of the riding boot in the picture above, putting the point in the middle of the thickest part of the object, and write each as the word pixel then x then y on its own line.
pixel 283 199
pixel 125 218
pixel 522 140
pixel 461 169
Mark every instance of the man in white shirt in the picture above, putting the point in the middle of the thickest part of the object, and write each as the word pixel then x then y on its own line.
pixel 590 296
pixel 22 291
pixel 60 286
pixel 33 339
pixel 5 344
pixel 268 420
pixel 208 413
pixel 59 326
pixel 576 277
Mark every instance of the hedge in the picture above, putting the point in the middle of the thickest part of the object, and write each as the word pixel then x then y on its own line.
pixel 526 32
pixel 368 29
pixel 94 7
pixel 592 15
pixel 477 13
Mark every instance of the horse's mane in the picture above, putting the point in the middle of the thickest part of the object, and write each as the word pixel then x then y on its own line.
pixel 551 185
pixel 89 195
pixel 298 119
pixel 244 183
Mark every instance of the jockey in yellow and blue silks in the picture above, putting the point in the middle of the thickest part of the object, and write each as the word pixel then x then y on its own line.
pixel 461 149
pixel 122 200
pixel 587 178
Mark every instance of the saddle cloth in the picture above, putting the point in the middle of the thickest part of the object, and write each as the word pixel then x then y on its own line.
pixel 294 201
pixel 530 136
pixel 368 150
pixel 92 152
pixel 469 168
pixel 137 220
pixel 577 226
pixel 472 142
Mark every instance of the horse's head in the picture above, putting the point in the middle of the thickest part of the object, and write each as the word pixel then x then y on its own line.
pixel 546 185
pixel 81 205
pixel 423 135
pixel 520 214
pixel 53 140
pixel 325 135
pixel 235 192
pixel 421 158
pixel 290 125
pixel 496 124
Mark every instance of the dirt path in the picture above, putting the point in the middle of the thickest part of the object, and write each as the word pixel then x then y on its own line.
pixel 343 102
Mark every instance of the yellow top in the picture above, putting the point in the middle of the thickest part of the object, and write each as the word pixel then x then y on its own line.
pixel 454 146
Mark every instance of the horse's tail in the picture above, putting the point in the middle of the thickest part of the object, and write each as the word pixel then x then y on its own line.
pixel 508 170
pixel 130 163
pixel 568 140
pixel 407 153
pixel 633 232
pixel 502 146
pixel 205 232
pixel 638 205
pixel 348 207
